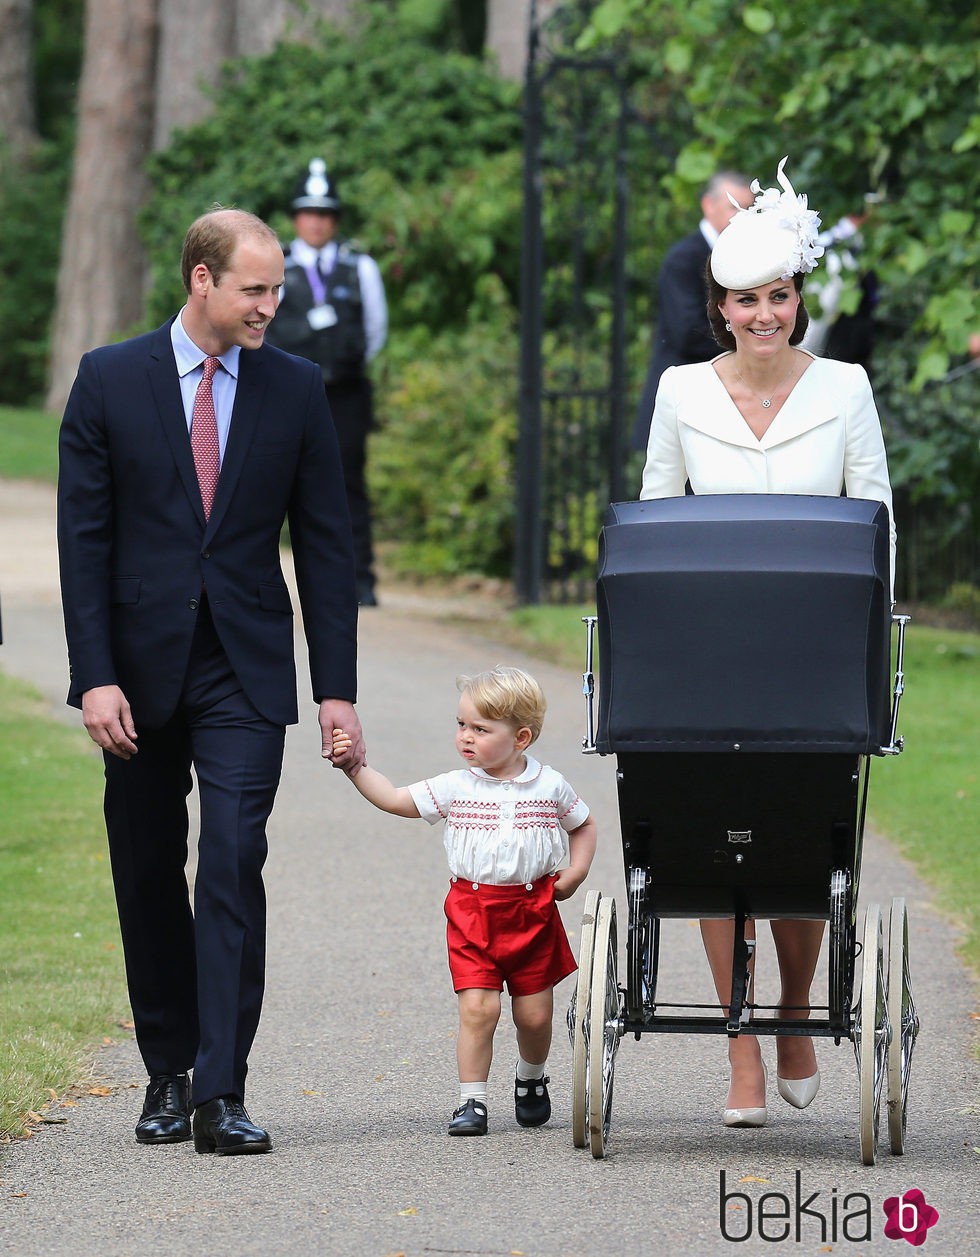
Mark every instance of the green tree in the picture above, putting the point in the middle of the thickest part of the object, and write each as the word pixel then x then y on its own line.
pixel 881 99
pixel 424 141
pixel 33 192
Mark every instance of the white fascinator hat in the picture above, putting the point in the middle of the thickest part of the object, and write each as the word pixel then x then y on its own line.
pixel 775 238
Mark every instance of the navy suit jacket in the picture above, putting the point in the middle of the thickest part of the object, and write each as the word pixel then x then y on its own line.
pixel 683 331
pixel 136 551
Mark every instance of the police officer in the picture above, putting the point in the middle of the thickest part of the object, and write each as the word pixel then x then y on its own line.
pixel 333 311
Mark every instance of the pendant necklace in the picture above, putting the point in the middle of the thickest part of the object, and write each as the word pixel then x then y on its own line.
pixel 766 401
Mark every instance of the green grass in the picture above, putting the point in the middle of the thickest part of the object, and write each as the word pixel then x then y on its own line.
pixel 555 633
pixel 62 988
pixel 927 800
pixel 29 442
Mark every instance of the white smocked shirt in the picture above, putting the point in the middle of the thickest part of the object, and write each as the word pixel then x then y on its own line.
pixel 502 832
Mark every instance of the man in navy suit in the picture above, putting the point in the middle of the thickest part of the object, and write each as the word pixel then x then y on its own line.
pixel 683 332
pixel 180 640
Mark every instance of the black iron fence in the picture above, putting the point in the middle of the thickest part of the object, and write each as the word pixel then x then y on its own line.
pixel 571 446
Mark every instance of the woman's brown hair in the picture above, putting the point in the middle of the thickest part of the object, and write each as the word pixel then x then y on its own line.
pixel 717 294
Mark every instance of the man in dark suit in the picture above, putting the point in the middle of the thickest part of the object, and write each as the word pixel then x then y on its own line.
pixel 683 333
pixel 180 458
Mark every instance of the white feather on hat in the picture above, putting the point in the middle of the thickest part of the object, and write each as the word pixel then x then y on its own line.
pixel 775 238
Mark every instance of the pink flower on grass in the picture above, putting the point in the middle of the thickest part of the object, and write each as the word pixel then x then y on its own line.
pixel 909 1217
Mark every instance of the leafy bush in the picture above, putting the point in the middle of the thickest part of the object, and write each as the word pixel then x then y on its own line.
pixel 33 195
pixel 33 192
pixel 964 597
pixel 878 99
pixel 425 145
pixel 441 469
pixel 408 129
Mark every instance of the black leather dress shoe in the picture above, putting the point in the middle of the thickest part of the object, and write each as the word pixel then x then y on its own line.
pixel 469 1119
pixel 532 1104
pixel 223 1126
pixel 166 1116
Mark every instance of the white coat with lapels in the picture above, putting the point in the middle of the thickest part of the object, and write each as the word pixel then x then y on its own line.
pixel 825 438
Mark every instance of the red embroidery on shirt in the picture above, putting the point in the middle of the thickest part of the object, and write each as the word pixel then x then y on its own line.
pixel 532 814
pixel 435 801
pixel 471 813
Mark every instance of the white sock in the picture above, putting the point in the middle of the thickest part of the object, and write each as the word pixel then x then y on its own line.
pixel 473 1091
pixel 529 1073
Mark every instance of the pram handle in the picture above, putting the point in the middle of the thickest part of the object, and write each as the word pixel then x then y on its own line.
pixel 897 744
pixel 588 686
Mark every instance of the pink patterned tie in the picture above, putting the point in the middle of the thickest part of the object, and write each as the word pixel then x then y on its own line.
pixel 204 437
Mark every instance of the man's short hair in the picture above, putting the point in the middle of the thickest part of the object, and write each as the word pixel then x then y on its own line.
pixel 212 239
pixel 722 177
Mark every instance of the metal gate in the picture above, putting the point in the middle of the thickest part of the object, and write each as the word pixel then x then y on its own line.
pixel 571 441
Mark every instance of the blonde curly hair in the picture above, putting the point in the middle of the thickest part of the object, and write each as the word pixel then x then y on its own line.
pixel 505 693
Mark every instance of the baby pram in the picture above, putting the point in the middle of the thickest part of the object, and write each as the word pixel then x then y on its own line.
pixel 744 684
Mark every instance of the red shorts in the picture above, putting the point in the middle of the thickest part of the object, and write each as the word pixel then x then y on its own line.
pixel 511 934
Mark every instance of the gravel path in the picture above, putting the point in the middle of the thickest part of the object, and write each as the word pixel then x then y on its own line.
pixel 353 1069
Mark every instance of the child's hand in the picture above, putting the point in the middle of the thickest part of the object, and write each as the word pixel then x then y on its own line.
pixel 341 744
pixel 567 883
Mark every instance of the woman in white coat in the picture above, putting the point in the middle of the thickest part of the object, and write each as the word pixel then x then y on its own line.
pixel 766 417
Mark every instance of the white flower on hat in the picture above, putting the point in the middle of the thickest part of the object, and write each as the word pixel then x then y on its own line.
pixel 775 238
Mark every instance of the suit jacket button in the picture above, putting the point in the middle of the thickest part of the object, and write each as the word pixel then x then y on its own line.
pixel 206 554
pixel 193 604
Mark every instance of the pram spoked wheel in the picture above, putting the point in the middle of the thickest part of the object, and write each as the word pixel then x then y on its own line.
pixel 604 1026
pixel 871 1033
pixel 904 1024
pixel 578 1016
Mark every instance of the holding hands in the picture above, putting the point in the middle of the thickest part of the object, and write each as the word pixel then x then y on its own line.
pixel 337 716
pixel 340 746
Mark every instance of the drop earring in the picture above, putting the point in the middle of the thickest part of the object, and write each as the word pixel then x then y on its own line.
pixel 728 327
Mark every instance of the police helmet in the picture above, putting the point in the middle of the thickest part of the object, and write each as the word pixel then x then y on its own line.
pixel 316 190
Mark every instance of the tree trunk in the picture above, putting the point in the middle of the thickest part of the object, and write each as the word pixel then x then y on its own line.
pixel 261 24
pixel 196 38
pixel 18 121
pixel 507 30
pixel 100 285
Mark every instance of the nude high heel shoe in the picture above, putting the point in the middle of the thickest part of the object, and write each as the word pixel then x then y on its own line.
pixel 799 1091
pixel 747 1117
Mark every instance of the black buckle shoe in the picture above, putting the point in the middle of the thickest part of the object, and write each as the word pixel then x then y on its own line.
pixel 223 1126
pixel 469 1119
pixel 166 1116
pixel 532 1104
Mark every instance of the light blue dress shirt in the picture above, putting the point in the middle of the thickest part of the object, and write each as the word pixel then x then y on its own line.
pixel 190 369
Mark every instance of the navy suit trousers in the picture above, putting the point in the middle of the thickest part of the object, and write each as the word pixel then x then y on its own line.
pixel 196 979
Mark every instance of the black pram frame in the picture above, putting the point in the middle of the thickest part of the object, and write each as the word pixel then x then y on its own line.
pixel 745 648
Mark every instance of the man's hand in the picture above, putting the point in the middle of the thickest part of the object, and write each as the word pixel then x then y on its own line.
pixel 109 721
pixel 335 713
